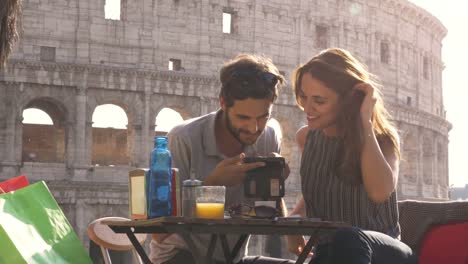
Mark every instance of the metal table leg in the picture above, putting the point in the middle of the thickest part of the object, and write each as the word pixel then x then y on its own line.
pixel 305 252
pixel 307 248
pixel 228 254
pixel 196 254
pixel 231 254
pixel 138 247
pixel 225 245
pixel 211 247
pixel 238 245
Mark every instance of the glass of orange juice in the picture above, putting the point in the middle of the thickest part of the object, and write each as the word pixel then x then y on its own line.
pixel 210 202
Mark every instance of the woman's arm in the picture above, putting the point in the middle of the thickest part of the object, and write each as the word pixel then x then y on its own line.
pixel 297 243
pixel 301 136
pixel 299 208
pixel 379 162
pixel 379 165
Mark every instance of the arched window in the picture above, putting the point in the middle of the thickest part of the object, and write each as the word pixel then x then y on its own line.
pixel 36 116
pixel 110 136
pixel 43 132
pixel 166 119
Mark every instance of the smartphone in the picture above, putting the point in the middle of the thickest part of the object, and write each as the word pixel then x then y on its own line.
pixel 266 182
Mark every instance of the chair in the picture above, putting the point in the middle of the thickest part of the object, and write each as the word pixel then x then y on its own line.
pixel 427 225
pixel 103 236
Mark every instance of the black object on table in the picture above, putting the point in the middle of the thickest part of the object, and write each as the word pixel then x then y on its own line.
pixel 219 228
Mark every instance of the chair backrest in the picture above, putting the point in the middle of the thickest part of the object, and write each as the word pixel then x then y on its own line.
pixel 416 217
pixel 107 239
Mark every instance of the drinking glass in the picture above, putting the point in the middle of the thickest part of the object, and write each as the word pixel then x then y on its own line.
pixel 210 202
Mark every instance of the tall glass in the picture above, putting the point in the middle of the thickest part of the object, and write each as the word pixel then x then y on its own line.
pixel 210 202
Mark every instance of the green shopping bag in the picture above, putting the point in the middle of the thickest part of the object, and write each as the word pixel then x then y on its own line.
pixel 33 229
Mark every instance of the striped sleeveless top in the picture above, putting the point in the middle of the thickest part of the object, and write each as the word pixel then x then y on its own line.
pixel 329 198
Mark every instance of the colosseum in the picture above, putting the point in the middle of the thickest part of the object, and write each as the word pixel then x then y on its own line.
pixel 73 56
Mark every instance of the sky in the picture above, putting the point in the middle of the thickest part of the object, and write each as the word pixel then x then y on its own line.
pixel 453 16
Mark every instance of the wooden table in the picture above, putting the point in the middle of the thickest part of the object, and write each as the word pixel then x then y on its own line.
pixel 219 228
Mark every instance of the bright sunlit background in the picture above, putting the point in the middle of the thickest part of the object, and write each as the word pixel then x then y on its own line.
pixel 36 116
pixel 109 115
pixel 454 55
pixel 451 13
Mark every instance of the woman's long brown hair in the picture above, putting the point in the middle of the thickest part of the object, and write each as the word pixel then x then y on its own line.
pixel 340 71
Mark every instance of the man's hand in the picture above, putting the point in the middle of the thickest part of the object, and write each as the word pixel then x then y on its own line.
pixel 231 171
pixel 286 167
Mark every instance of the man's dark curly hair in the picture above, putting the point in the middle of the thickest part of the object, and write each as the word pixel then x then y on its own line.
pixel 249 76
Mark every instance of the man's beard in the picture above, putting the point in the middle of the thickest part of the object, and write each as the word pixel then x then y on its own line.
pixel 235 132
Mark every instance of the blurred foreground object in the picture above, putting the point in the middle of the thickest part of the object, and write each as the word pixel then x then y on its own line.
pixel 10 10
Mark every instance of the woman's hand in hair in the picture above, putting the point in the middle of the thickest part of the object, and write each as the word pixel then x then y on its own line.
pixel 368 102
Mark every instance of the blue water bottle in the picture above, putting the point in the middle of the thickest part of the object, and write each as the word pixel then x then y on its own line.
pixel 159 196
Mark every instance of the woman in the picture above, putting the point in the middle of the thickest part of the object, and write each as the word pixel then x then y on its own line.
pixel 350 159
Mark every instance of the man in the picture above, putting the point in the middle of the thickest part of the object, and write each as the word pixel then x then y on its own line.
pixel 9 12
pixel 214 146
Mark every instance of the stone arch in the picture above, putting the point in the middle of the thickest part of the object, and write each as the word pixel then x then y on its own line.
pixel 45 143
pixel 427 160
pixel 133 106
pixel 43 93
pixel 409 160
pixel 187 107
pixel 184 113
pixel 110 145
pixel 128 104
pixel 161 122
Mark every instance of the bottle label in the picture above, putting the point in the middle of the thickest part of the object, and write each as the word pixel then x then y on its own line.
pixel 163 192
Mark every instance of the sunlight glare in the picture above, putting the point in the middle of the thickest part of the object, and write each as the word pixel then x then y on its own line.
pixel 36 116
pixel 276 125
pixel 109 115
pixel 355 9
pixel 167 119
pixel 227 20
pixel 112 9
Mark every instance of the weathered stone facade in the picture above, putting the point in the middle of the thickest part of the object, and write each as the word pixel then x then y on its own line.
pixel 70 59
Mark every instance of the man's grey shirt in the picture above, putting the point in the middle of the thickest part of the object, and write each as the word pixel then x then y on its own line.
pixel 193 147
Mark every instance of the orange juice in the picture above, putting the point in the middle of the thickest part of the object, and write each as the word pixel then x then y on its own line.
pixel 210 210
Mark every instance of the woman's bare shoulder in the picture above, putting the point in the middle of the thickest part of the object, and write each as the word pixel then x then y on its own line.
pixel 301 136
